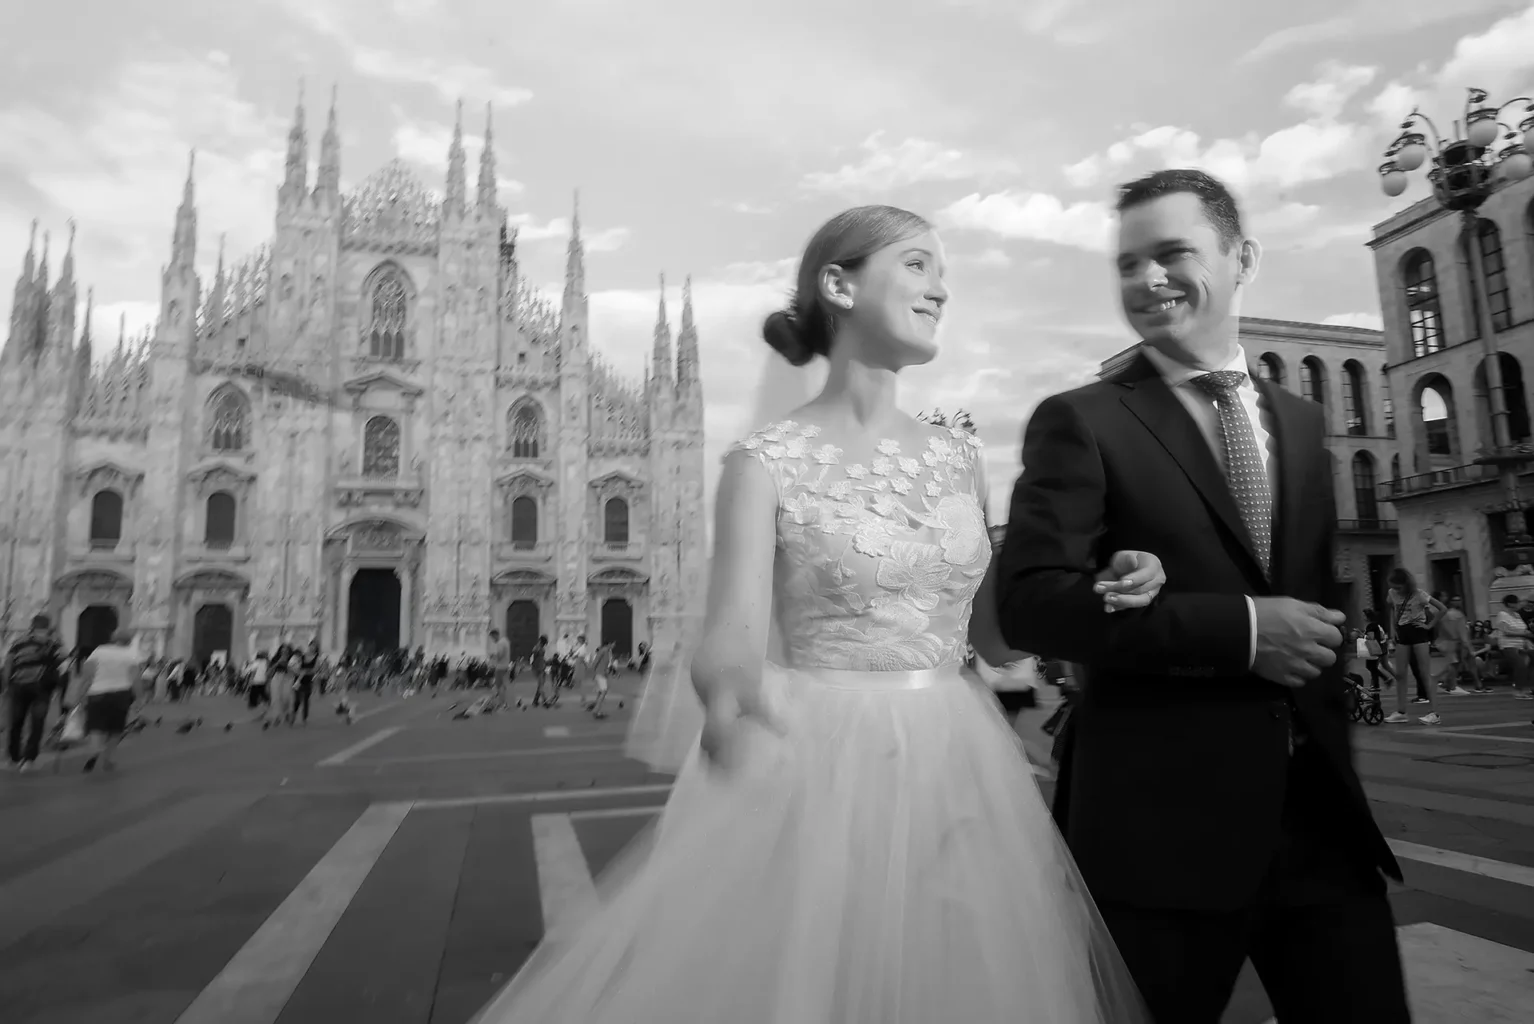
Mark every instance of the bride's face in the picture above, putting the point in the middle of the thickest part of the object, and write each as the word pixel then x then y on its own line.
pixel 893 305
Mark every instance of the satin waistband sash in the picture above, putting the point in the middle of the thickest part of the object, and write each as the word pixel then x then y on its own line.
pixel 854 679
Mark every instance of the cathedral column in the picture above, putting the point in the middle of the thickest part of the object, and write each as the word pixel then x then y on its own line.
pixel 406 587
pixel 344 605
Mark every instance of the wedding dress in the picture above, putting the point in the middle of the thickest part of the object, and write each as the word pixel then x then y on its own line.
pixel 885 857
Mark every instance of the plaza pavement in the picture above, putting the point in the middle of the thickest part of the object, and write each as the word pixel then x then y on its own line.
pixel 400 869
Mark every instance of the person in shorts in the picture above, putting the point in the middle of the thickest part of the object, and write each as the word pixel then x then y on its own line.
pixel 110 681
pixel 258 693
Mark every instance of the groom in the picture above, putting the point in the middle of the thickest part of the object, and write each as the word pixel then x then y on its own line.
pixel 1207 787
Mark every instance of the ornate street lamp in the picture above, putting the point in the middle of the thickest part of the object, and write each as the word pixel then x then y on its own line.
pixel 1464 171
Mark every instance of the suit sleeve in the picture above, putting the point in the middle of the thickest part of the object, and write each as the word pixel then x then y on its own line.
pixel 1051 555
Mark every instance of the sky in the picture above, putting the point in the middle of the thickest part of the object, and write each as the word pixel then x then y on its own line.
pixel 712 139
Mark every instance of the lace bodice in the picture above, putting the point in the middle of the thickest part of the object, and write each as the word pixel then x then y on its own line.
pixel 877 565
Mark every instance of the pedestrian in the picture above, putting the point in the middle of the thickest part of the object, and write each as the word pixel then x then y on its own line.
pixel 1512 637
pixel 1414 615
pixel 308 668
pixel 1455 645
pixel 109 687
pixel 500 665
pixel 1376 647
pixel 601 668
pixel 34 670
pixel 258 692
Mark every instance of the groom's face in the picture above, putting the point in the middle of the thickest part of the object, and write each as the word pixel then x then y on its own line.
pixel 1176 280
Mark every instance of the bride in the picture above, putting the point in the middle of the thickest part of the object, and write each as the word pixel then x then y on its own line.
pixel 856 838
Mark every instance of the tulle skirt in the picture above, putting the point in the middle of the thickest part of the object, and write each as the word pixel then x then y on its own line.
pixel 884 857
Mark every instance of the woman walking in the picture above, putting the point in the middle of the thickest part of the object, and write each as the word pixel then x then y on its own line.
pixel 1414 615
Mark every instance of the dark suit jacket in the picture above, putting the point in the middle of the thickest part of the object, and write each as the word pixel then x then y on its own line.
pixel 1173 782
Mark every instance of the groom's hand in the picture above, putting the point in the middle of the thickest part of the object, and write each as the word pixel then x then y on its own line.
pixel 1295 639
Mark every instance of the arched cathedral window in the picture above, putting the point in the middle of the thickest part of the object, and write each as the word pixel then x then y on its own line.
pixel 524 430
pixel 380 447
pixel 228 421
pixel 388 305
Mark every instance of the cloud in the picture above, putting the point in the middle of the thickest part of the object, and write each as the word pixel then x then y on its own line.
pixel 1031 215
pixel 889 166
pixel 605 240
pixel 1319 148
pixel 989 259
pixel 1365 18
pixel 117 168
pixel 1371 321
pixel 451 80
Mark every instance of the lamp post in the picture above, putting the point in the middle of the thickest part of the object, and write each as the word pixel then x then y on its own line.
pixel 1464 171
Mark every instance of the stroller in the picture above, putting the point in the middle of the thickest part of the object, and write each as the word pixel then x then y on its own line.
pixel 1363 702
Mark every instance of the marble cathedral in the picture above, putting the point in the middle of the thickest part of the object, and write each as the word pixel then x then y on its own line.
pixel 371 432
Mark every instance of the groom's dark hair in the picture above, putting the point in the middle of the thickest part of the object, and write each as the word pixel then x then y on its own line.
pixel 1219 205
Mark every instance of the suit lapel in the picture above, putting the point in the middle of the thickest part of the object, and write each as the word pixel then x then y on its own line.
pixel 1153 403
pixel 1289 451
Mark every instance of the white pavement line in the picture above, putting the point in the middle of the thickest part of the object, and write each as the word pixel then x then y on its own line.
pixel 565 885
pixel 489 755
pixel 370 712
pixel 33 899
pixel 357 748
pixel 541 797
pixel 1484 726
pixel 557 732
pixel 1451 803
pixel 1518 874
pixel 260 979
pixel 614 812
pixel 1453 977
pixel 1478 736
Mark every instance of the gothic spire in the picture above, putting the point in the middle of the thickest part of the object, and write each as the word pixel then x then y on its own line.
pixel 454 202
pixel 687 340
pixel 328 181
pixel 29 267
pixel 84 350
pixel 296 174
pixel 575 254
pixel 183 250
pixel 660 357
pixel 67 272
pixel 487 168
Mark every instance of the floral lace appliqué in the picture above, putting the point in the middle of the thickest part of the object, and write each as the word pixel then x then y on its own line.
pixel 882 559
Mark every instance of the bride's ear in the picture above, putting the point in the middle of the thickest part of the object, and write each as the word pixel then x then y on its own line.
pixel 836 286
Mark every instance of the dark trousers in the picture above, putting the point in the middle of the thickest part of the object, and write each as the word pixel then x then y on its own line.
pixel 1320 932
pixel 29 711
pixel 301 695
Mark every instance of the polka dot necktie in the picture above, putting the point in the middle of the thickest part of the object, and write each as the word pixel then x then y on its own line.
pixel 1244 471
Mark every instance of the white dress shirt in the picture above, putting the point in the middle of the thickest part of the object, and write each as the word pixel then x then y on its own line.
pixel 1205 412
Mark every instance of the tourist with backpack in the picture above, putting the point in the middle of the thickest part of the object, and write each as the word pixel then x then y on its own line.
pixel 34 668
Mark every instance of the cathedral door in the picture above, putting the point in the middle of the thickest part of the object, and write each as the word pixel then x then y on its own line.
pixel 618 626
pixel 212 630
pixel 522 628
pixel 95 627
pixel 373 611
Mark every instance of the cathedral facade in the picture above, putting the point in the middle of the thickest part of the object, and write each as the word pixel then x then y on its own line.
pixel 371 432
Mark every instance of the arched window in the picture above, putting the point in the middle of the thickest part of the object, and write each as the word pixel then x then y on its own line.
pixel 218 532
pixel 1365 490
pixel 1494 266
pixel 106 519
pixel 387 306
pixel 524 522
pixel 1435 422
pixel 524 429
pixel 1313 380
pixel 1423 314
pixel 380 447
pixel 228 420
pixel 1270 367
pixel 615 522
pixel 1355 399
pixel 1395 467
pixel 1388 406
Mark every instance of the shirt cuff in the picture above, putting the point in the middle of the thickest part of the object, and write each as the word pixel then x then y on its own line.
pixel 1251 619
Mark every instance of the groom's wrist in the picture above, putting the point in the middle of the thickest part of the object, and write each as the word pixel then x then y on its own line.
pixel 1251 632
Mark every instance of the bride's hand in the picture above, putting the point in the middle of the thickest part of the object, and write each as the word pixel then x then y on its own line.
pixel 1131 580
pixel 726 716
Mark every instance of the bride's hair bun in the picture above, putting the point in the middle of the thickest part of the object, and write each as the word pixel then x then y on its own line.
pixel 785 333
